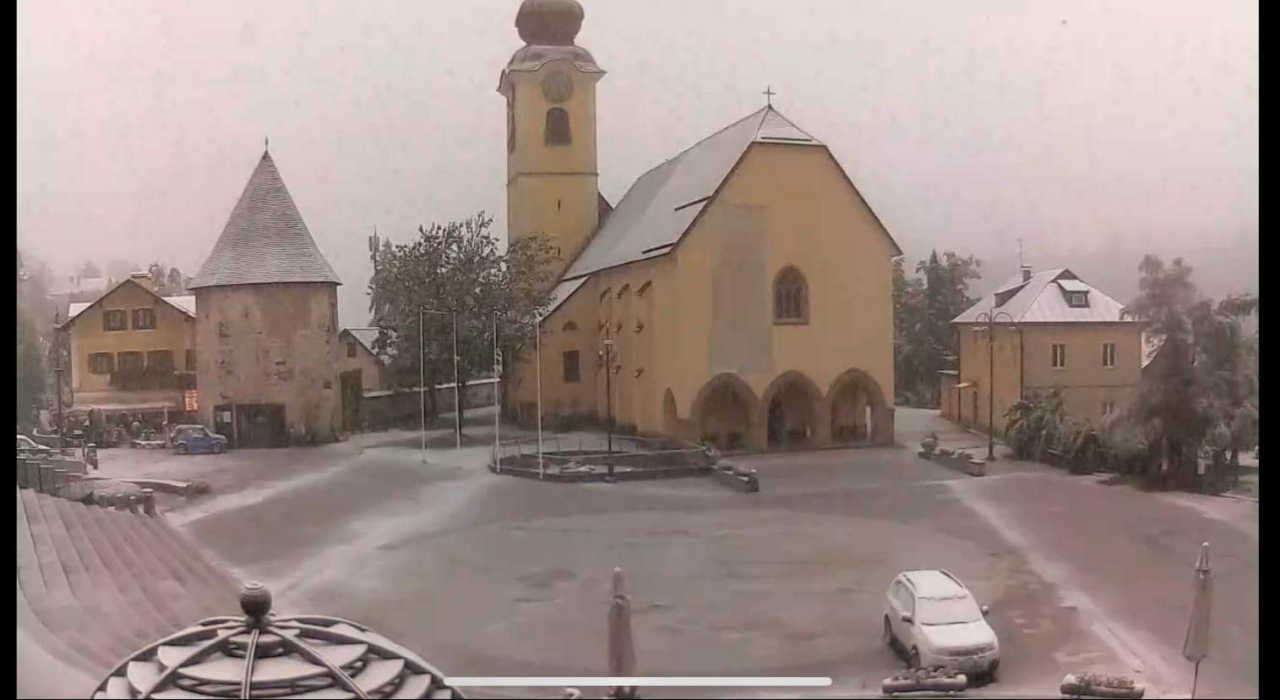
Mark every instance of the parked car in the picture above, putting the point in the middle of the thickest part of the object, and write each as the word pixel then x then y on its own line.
pixel 934 620
pixel 196 439
pixel 29 446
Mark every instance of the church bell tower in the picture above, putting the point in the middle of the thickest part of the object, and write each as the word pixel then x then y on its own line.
pixel 550 88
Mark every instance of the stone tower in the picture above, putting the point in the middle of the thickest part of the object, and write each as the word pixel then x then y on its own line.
pixel 267 324
pixel 550 88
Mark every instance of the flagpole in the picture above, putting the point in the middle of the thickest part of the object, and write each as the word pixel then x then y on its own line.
pixel 422 405
pixel 537 343
pixel 497 457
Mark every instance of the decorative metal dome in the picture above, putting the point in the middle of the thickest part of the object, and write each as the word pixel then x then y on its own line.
pixel 263 655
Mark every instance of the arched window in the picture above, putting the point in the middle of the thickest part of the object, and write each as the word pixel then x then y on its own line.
pixel 569 326
pixel 557 127
pixel 790 297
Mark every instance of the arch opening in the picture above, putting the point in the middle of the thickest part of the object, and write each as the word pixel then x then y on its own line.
pixel 792 407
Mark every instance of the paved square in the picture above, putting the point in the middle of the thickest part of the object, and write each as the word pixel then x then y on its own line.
pixel 488 575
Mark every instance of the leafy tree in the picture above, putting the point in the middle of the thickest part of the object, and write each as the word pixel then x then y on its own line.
pixel 923 309
pixel 1226 358
pixel 1174 407
pixel 30 378
pixel 173 284
pixel 456 267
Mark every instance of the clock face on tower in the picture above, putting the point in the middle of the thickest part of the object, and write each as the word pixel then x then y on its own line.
pixel 557 87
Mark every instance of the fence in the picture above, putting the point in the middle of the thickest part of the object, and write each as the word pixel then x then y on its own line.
pixel 591 448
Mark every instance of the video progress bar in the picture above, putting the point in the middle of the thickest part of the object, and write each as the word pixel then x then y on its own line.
pixel 641 681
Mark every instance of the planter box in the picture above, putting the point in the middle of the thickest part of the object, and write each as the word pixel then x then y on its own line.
pixel 924 682
pixel 1083 686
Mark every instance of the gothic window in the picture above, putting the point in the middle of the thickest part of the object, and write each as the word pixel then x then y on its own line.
pixel 557 127
pixel 790 297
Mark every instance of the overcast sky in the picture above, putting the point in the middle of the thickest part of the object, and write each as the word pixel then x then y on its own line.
pixel 1094 131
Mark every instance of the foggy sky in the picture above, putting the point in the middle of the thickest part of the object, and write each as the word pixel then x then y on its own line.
pixel 1094 131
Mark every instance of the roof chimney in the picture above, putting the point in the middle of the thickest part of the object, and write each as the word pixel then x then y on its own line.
pixel 1026 273
pixel 144 279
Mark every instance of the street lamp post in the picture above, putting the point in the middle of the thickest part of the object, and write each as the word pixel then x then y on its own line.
pixel 497 407
pixel 422 382
pixel 608 399
pixel 57 371
pixel 990 318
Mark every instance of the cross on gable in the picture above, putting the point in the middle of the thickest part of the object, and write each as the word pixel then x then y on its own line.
pixel 768 95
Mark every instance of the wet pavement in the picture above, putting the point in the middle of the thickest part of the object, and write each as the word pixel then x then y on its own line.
pixel 486 575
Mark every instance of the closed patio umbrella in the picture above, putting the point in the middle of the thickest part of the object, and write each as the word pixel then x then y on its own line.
pixel 622 651
pixel 1196 645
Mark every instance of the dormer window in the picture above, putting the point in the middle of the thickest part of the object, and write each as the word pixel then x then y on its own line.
pixel 1078 299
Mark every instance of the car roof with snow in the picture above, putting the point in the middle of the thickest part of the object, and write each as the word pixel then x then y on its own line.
pixel 934 583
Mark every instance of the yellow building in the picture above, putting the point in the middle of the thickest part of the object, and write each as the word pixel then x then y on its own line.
pixel 1052 331
pixel 740 292
pixel 132 350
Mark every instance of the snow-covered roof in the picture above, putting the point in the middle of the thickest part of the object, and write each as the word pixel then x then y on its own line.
pixel 1039 300
pixel 367 337
pixel 662 203
pixel 186 304
pixel 265 240
pixel 561 293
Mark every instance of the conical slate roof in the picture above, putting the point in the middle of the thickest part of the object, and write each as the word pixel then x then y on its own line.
pixel 265 240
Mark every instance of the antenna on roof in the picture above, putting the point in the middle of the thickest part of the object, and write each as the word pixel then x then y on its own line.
pixel 266 143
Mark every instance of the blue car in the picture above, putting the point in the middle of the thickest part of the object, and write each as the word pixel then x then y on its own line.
pixel 196 439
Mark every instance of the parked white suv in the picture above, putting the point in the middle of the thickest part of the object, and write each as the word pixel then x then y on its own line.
pixel 932 618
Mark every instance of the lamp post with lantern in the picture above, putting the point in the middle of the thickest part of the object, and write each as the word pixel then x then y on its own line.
pixel 990 318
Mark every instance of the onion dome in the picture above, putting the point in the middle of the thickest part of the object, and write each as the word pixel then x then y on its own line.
pixel 549 22
pixel 262 655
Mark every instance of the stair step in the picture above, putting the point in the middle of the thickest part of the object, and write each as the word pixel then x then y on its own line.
pixel 57 588
pixel 88 596
pixel 196 600
pixel 108 589
pixel 30 579
pixel 137 566
pixel 29 622
pixel 205 594
pixel 215 590
pixel 139 602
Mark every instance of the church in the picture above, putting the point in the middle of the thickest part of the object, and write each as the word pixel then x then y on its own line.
pixel 739 293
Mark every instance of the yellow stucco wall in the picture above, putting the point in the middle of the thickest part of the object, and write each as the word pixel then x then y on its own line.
pixel 708 306
pixel 553 189
pixel 174 331
pixel 1025 364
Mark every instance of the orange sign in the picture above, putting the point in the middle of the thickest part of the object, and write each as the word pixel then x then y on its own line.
pixel 190 399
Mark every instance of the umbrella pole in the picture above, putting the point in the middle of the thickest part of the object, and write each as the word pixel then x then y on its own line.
pixel 1195 677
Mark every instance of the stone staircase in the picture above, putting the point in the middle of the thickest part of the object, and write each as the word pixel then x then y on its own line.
pixel 95 585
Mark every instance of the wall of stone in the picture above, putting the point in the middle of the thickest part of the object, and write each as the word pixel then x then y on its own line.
pixel 271 344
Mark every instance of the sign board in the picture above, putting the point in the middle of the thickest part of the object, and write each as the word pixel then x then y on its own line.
pixel 226 416
pixel 189 399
